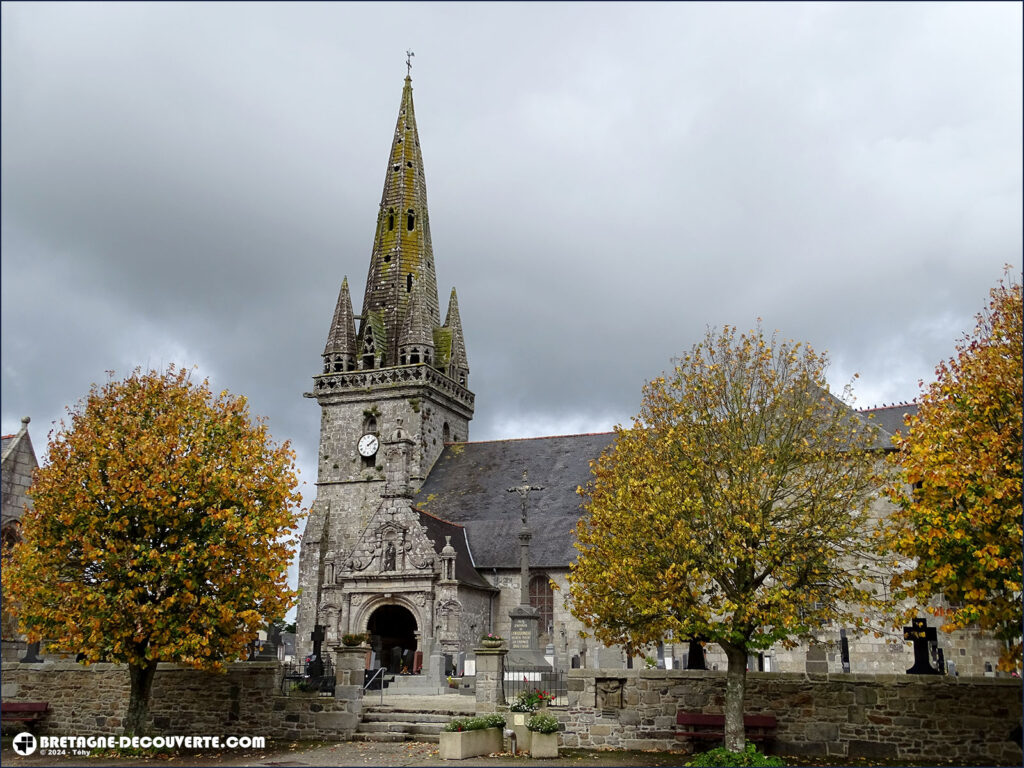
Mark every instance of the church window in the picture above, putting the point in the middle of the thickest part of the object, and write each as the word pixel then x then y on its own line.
pixel 387 258
pixel 410 220
pixel 391 226
pixel 368 350
pixel 370 425
pixel 543 599
pixel 446 433
pixel 395 167
pixel 408 283
pixel 414 356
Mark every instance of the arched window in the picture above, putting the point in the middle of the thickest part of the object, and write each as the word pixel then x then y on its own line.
pixel 408 283
pixel 446 433
pixel 391 221
pixel 543 599
pixel 410 220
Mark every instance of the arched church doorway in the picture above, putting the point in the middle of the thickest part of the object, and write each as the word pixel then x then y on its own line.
pixel 392 631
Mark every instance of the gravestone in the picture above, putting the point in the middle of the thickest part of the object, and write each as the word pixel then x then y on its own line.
pixel 32 654
pixel 920 634
pixel 817 660
pixel 695 656
pixel 844 650
pixel 315 667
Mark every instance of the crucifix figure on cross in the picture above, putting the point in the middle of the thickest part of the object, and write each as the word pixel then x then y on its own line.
pixel 524 491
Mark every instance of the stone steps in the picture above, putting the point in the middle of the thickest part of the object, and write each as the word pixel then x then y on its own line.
pixel 396 723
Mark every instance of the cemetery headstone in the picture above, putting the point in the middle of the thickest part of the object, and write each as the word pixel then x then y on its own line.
pixel 695 656
pixel 920 634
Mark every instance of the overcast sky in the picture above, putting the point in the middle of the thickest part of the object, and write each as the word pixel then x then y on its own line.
pixel 189 183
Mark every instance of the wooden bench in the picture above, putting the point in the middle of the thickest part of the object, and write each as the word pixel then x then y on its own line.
pixel 698 726
pixel 27 712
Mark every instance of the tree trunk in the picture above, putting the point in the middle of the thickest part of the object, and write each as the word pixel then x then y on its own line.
pixel 735 691
pixel 138 703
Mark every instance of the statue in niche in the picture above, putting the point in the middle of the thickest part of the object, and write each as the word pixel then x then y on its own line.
pixel 389 557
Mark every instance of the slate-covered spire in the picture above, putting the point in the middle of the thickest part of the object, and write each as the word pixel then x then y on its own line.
pixel 402 259
pixel 340 350
pixel 458 364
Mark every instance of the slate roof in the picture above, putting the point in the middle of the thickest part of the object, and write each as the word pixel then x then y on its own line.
pixel 437 529
pixel 890 417
pixel 468 486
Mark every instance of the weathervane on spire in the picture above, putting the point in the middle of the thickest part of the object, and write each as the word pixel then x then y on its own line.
pixel 408 62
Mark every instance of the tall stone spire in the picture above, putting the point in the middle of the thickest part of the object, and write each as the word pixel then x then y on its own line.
pixel 402 259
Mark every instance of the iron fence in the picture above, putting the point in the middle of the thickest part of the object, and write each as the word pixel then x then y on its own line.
pixel 552 682
pixel 316 676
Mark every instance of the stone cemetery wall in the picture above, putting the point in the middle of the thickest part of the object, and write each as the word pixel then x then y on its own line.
pixel 917 718
pixel 245 701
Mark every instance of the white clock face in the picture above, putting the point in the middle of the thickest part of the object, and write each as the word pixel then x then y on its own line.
pixel 368 445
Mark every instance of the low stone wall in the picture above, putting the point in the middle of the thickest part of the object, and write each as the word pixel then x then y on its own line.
pixel 915 718
pixel 246 700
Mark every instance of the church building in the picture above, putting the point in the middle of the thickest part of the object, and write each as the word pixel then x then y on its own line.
pixel 415 536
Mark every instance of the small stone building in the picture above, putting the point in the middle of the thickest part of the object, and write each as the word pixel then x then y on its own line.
pixel 413 535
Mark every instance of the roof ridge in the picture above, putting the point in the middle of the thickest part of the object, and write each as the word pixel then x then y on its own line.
pixel 884 407
pixel 523 439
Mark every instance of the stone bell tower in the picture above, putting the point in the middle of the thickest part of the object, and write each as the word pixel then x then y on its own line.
pixel 395 363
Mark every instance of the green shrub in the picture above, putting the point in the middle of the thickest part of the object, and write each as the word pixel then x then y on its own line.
pixel 542 722
pixel 353 640
pixel 721 757
pixel 460 724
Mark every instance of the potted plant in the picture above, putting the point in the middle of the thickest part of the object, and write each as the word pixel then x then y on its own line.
pixel 353 640
pixel 543 730
pixel 491 640
pixel 466 737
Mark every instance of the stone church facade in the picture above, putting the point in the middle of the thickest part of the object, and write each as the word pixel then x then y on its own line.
pixel 412 536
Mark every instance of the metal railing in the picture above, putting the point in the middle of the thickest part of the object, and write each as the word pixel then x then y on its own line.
pixel 552 682
pixel 309 677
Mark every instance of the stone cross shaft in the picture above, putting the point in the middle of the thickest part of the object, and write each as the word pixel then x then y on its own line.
pixel 524 540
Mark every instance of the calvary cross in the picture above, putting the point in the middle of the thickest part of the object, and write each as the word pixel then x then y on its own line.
pixel 524 491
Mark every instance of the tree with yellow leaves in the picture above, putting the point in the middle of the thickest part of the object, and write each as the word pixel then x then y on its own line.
pixel 158 533
pixel 735 509
pixel 959 497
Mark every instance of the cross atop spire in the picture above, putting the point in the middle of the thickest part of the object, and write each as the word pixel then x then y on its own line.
pixel 408 62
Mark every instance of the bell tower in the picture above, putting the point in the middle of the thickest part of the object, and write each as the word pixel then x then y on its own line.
pixel 393 365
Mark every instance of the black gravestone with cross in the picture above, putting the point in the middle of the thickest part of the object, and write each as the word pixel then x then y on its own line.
pixel 920 634
pixel 315 667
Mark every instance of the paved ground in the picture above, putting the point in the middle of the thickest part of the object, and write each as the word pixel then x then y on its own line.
pixel 300 755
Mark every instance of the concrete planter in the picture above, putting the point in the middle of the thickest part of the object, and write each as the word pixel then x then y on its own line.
pixel 543 744
pixel 458 745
